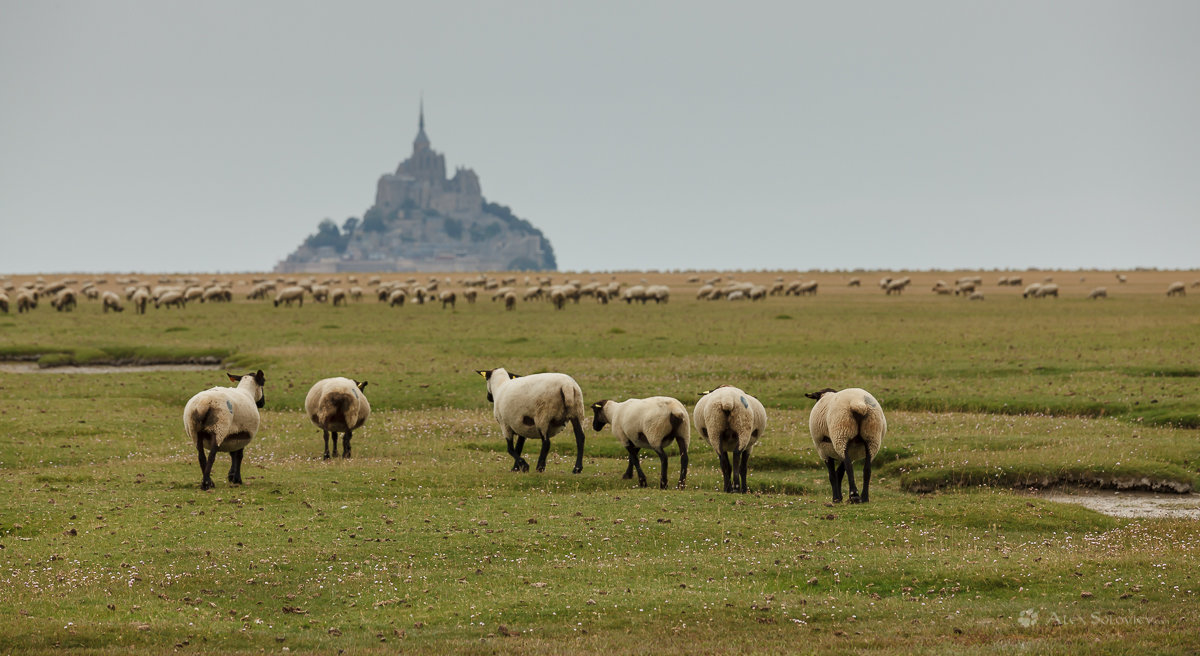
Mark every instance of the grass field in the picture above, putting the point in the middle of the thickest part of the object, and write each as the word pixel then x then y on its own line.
pixel 425 542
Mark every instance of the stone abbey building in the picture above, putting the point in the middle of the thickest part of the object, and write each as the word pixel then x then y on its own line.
pixel 424 221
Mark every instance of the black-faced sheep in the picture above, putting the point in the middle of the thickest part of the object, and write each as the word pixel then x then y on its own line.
pixel 4 303
pixel 224 419
pixel 1175 289
pixel 535 407
pixel 337 404
pixel 510 301
pixel 139 299
pixel 64 300
pixel 447 298
pixel 171 298
pixel 651 423
pixel 846 426
pixel 732 422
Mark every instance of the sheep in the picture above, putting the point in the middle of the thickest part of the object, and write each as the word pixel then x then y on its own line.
pixel 1195 284
pixel 470 295
pixel 224 419
pixel 217 295
pixel 320 293
pixel 289 294
pixel 704 292
pixel 846 426
pixel 510 301
pixel 660 293
pixel 1031 290
pixel 193 294
pixel 171 298
pixel 1175 289
pixel 535 406
pixel 447 298
pixel 634 293
pixel 558 298
pixel 1099 292
pixel 397 297
pixel 896 286
pixel 731 421
pixel 64 300
pixel 111 300
pixel 337 295
pixel 1050 289
pixel 807 288
pixel 975 296
pixel 964 287
pixel 337 404
pixel 651 423
pixel 139 299
pixel 3 302
pixel 854 282
pixel 356 293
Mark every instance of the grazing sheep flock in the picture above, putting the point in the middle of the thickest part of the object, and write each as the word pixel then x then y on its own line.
pixel 845 426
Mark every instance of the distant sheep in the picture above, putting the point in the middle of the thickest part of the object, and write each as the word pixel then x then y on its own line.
pixel 1031 290
pixel 289 294
pixel 1121 278
pixel 139 299
pixel 470 295
pixel 1175 289
pixel 651 423
pixel 111 301
pixel 1099 292
pixel 854 282
pixel 397 297
pixel 3 302
pixel 224 419
pixel 975 296
pixel 537 406
pixel 846 426
pixel 337 296
pixel 732 422
pixel 1047 290
pixel 510 301
pixel 64 300
pixel 447 298
pixel 337 404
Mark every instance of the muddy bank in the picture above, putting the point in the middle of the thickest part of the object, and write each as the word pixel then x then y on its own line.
pixel 1129 503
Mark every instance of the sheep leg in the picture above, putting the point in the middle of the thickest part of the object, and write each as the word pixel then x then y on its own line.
pixel 745 462
pixel 738 483
pixel 662 482
pixel 334 434
pixel 206 465
pixel 683 465
pixel 235 466
pixel 835 480
pixel 520 464
pixel 326 435
pixel 866 478
pixel 629 469
pixel 578 446
pixel 346 444
pixel 850 479
pixel 726 469
pixel 541 465
pixel 634 463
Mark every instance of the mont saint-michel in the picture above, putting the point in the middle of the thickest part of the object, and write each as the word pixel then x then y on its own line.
pixel 424 221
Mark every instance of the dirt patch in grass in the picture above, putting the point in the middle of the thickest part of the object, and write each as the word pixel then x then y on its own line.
pixel 1129 504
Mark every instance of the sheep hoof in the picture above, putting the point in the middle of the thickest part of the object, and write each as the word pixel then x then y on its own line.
pixel 627 476
pixel 326 455
pixel 207 485
pixel 662 485
pixel 854 499
pixel 523 466
pixel 576 470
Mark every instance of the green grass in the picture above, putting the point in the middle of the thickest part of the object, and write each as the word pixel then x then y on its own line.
pixel 425 542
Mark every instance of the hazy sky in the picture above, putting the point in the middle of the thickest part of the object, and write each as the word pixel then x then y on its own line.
pixel 214 136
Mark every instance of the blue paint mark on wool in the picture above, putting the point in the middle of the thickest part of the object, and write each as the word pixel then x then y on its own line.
pixel 744 404
pixel 229 404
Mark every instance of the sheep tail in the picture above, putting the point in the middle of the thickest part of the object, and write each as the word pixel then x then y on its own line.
pixel 211 421
pixel 572 400
pixel 339 403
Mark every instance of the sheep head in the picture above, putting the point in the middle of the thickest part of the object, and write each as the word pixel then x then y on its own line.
pixel 816 396
pixel 599 418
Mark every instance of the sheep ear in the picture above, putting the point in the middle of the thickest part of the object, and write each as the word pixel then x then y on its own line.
pixel 813 395
pixel 485 374
pixel 512 375
pixel 703 393
pixel 362 387
pixel 232 378
pixel 259 377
